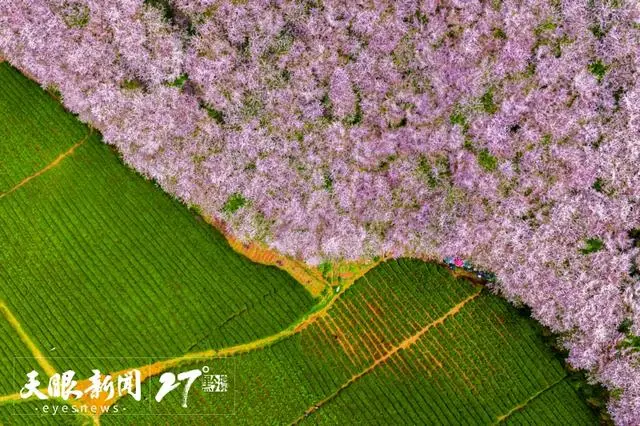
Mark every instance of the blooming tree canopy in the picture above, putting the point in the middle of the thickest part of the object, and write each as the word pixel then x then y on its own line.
pixel 506 131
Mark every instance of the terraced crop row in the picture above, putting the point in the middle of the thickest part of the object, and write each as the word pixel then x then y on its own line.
pixel 407 344
pixel 479 364
pixel 552 407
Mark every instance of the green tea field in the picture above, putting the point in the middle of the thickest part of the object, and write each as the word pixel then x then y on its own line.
pixel 406 344
pixel 100 269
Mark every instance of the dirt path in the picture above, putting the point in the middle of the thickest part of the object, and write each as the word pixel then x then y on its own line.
pixel 48 166
pixel 525 403
pixel 44 363
pixel 13 321
pixel 310 278
pixel 403 345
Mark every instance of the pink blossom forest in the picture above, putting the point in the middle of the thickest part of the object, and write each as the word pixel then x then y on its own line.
pixel 502 131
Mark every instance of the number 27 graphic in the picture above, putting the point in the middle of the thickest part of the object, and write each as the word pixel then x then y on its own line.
pixel 168 381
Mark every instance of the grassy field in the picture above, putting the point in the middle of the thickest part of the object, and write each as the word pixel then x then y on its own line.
pixel 406 344
pixel 101 269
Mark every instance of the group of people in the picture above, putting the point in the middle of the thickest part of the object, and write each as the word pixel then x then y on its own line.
pixel 454 262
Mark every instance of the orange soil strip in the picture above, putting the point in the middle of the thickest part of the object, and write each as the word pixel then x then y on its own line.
pixel 48 166
pixel 362 336
pixel 323 326
pixel 423 358
pixel 399 367
pixel 383 327
pixel 310 278
pixel 366 346
pixel 435 352
pixel 331 339
pixel 374 309
pixel 377 341
pixel 343 340
pixel 342 320
pixel 403 345
pixel 425 351
pixel 457 367
pixel 309 342
pixel 376 297
pixel 483 354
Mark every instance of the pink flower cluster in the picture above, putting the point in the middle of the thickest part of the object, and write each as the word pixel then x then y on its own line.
pixel 507 132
